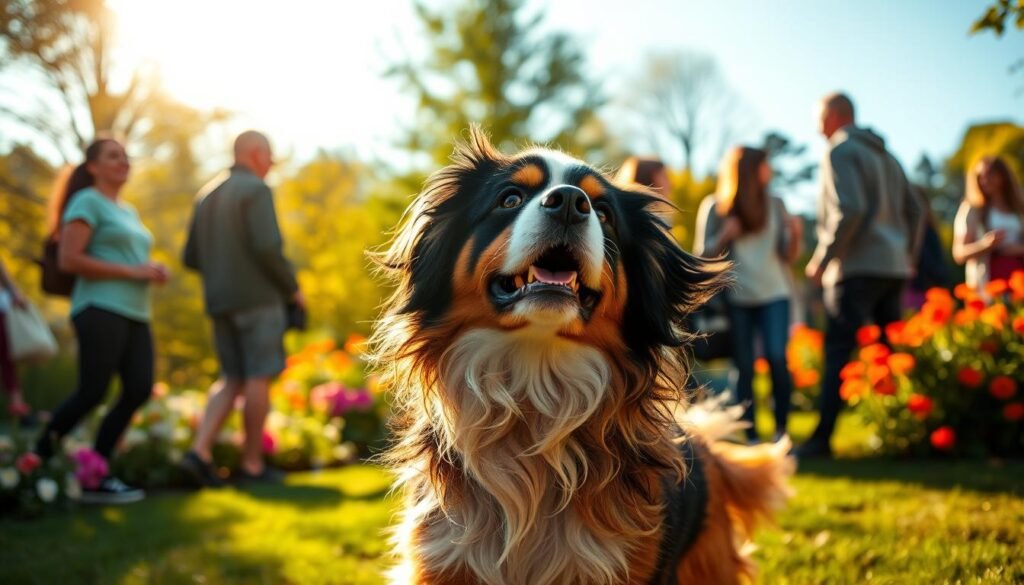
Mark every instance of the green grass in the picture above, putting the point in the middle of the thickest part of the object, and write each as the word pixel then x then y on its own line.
pixel 852 521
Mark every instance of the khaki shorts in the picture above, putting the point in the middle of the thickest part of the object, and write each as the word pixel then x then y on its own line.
pixel 250 343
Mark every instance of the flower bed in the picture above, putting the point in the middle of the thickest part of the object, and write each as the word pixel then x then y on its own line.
pixel 951 381
pixel 325 411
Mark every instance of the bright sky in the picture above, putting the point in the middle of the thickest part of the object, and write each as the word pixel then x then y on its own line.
pixel 309 72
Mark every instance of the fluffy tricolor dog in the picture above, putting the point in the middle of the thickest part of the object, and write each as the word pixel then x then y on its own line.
pixel 535 349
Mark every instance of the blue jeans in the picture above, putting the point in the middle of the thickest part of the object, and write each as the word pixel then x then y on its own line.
pixel 771 320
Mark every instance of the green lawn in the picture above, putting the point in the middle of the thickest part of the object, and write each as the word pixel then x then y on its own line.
pixel 853 521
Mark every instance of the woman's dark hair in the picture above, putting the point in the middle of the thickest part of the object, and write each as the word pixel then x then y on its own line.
pixel 977 197
pixel 740 192
pixel 70 183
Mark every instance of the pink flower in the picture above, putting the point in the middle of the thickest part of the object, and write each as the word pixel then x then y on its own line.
pixel 90 468
pixel 269 443
pixel 27 463
pixel 349 399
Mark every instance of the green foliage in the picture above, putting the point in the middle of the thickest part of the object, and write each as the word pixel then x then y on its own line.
pixel 488 65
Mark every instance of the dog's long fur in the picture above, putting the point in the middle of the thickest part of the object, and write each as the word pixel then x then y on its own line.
pixel 533 437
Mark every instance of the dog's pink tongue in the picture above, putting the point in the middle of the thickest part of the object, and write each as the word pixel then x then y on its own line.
pixel 548 277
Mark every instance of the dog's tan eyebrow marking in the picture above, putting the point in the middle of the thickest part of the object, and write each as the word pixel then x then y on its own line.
pixel 530 176
pixel 591 186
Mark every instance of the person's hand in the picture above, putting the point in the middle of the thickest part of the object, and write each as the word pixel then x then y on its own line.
pixel 814 272
pixel 993 239
pixel 299 299
pixel 150 272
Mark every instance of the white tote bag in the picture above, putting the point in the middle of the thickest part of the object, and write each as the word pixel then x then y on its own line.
pixel 30 337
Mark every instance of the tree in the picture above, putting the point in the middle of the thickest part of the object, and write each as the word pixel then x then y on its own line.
pixel 67 45
pixel 996 16
pixel 786 158
pixel 487 64
pixel 683 99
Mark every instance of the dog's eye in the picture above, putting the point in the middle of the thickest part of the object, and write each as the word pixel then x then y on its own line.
pixel 511 199
pixel 603 214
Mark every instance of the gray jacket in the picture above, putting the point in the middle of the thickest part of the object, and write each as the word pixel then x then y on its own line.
pixel 868 218
pixel 235 243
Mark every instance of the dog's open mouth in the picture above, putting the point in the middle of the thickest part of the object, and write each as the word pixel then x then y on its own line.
pixel 555 275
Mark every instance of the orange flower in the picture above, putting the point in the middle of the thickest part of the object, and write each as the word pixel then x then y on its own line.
pixel 937 314
pixel 875 353
pixel 806 378
pixel 996 287
pixel 996 316
pixel 1016 284
pixel 964 292
pixel 853 388
pixel 1014 411
pixel 322 346
pixel 761 366
pixel 868 334
pixel 901 363
pixel 943 438
pixel 976 305
pixel 340 360
pixel 1018 325
pixel 1002 387
pixel 938 295
pixel 878 372
pixel 965 317
pixel 355 344
pixel 853 370
pixel 920 406
pixel 969 377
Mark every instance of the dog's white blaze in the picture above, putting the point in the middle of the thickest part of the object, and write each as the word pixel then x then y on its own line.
pixel 531 228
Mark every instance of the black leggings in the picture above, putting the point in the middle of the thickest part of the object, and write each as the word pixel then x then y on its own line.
pixel 107 344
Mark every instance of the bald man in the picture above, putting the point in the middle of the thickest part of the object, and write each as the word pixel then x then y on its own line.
pixel 235 244
pixel 868 232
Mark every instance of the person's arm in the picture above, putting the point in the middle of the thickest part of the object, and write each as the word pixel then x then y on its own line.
pixel 266 243
pixel 72 257
pixel 965 226
pixel 844 195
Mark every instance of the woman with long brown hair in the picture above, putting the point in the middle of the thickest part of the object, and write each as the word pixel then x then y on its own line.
pixel 743 222
pixel 988 233
pixel 105 245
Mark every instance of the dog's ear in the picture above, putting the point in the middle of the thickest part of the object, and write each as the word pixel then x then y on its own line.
pixel 665 283
pixel 435 226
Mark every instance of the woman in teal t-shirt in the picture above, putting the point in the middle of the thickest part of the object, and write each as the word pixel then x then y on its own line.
pixel 103 242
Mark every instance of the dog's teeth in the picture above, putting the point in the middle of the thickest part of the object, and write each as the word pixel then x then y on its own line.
pixel 519 282
pixel 572 282
pixel 531 275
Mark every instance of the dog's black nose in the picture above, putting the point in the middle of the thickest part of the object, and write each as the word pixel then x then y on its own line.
pixel 568 204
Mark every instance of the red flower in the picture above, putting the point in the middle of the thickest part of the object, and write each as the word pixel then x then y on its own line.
pixel 920 406
pixel 28 462
pixel 868 334
pixel 1002 387
pixel 18 409
pixel 269 444
pixel 894 332
pixel 989 346
pixel 969 377
pixel 1014 411
pixel 976 305
pixel 943 438
pixel 885 386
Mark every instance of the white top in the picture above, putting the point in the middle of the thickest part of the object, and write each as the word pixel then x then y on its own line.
pixel 759 273
pixel 1009 223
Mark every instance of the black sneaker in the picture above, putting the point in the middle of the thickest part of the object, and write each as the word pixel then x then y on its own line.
pixel 268 475
pixel 203 474
pixel 112 491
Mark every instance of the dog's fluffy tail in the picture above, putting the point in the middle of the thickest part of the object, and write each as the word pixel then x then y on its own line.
pixel 747 485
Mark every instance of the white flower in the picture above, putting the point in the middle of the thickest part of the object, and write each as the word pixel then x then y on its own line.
pixel 9 478
pixel 331 433
pixel 71 487
pixel 133 437
pixel 47 489
pixel 6 444
pixel 161 430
